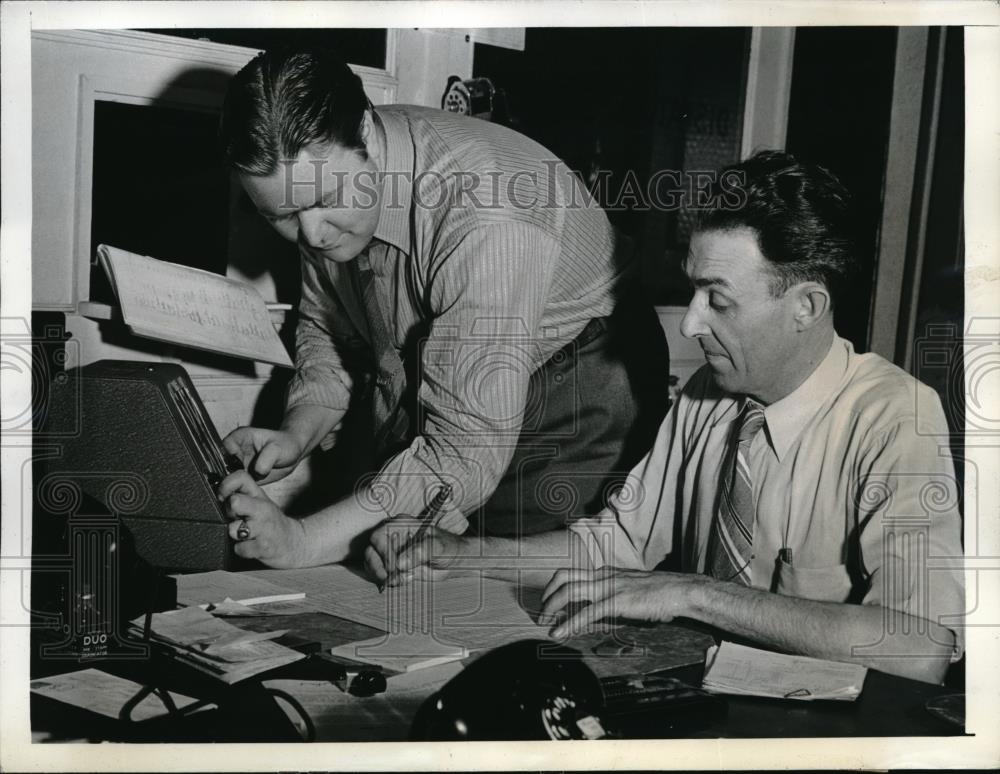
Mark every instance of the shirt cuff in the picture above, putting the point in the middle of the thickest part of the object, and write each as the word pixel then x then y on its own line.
pixel 328 393
pixel 598 535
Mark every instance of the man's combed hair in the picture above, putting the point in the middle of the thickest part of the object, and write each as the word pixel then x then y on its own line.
pixel 801 214
pixel 283 101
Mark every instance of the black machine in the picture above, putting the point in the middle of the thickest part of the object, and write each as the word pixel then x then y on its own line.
pixel 136 437
pixel 535 689
pixel 532 689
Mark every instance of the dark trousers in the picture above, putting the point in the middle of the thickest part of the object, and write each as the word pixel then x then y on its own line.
pixel 593 411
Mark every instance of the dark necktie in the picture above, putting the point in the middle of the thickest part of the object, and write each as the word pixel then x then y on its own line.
pixel 391 421
pixel 731 539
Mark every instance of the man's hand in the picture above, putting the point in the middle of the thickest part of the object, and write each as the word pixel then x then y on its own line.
pixel 269 455
pixel 612 593
pixel 274 538
pixel 394 556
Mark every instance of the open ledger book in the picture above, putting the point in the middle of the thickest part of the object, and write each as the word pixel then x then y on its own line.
pixel 191 307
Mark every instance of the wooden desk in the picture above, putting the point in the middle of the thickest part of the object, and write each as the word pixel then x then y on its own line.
pixel 888 706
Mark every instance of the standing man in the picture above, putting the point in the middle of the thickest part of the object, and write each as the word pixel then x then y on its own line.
pixel 461 276
pixel 803 492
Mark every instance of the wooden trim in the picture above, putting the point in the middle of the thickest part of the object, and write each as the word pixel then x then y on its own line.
pixel 897 198
pixel 769 88
pixel 924 181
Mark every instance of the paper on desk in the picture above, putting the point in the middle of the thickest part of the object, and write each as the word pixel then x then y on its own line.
pixel 471 611
pixel 738 669
pixel 106 694
pixel 402 652
pixel 199 630
pixel 217 586
pixel 325 630
pixel 231 673
pixel 227 608
pixel 217 647
pixel 241 661
pixel 261 610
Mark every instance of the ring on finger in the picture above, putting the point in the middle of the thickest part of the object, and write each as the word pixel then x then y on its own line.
pixel 243 531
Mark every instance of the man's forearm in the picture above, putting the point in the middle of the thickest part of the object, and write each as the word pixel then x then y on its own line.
pixel 872 635
pixel 532 559
pixel 336 532
pixel 310 424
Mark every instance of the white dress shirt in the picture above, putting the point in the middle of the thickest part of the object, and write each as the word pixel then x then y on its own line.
pixel 855 491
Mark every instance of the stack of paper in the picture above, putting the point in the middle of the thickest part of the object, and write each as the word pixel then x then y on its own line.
pixel 218 586
pixel 737 669
pixel 211 645
pixel 401 652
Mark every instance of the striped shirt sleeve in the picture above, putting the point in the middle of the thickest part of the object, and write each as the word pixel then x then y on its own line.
pixel 488 295
pixel 330 353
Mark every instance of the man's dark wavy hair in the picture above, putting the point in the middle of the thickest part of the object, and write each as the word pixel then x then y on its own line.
pixel 285 100
pixel 801 214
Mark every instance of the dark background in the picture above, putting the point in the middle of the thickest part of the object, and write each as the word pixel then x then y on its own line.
pixel 624 101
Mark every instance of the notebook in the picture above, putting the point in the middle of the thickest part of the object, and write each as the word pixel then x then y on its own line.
pixel 192 307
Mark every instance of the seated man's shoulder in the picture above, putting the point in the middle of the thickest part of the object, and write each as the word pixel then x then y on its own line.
pixel 881 393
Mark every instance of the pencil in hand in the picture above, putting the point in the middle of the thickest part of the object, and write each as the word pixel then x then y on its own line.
pixel 429 516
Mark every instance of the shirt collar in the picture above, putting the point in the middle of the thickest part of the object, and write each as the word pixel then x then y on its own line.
pixel 397 183
pixel 787 418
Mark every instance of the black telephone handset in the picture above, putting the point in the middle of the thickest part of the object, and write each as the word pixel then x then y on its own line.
pixel 531 689
pixel 535 689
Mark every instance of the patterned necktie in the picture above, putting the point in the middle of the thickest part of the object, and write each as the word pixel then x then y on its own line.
pixel 731 538
pixel 391 420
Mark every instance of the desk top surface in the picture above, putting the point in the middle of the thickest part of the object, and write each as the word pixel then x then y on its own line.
pixel 888 706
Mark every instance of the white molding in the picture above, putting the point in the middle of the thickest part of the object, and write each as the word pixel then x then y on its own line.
pixel 151 43
pixel 82 200
pixel 112 89
pixel 136 68
pixel 769 88
pixel 502 37
pixel 224 55
pixel 426 58
pixel 391 44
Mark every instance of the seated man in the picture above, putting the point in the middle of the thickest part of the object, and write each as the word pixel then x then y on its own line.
pixel 794 479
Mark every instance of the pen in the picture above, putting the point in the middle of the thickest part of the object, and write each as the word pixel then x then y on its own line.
pixel 430 515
